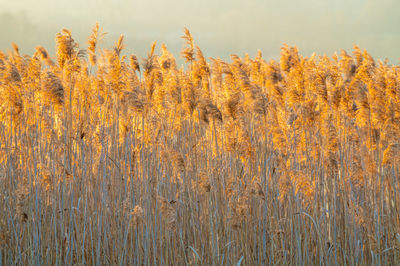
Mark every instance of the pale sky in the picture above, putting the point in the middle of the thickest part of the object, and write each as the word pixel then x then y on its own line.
pixel 220 28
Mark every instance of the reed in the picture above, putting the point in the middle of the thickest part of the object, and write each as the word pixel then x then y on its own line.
pixel 106 160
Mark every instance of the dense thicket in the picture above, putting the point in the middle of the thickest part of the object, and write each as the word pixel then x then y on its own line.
pixel 106 159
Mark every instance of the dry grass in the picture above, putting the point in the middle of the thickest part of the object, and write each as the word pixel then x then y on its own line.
pixel 108 161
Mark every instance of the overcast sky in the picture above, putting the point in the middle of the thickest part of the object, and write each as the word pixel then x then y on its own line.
pixel 220 27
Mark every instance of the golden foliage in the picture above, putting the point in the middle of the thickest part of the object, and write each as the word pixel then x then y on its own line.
pixel 298 124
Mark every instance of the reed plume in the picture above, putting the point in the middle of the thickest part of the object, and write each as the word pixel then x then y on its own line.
pixel 52 89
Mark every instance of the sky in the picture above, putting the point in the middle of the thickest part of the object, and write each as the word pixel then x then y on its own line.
pixel 219 27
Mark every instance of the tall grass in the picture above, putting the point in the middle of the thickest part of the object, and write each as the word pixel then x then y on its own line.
pixel 109 160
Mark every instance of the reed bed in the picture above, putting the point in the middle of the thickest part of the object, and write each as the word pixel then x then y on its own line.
pixel 108 159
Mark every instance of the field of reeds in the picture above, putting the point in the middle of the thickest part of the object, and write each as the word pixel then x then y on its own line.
pixel 107 159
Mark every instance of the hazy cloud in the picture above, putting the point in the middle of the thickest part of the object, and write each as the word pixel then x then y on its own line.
pixel 220 27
